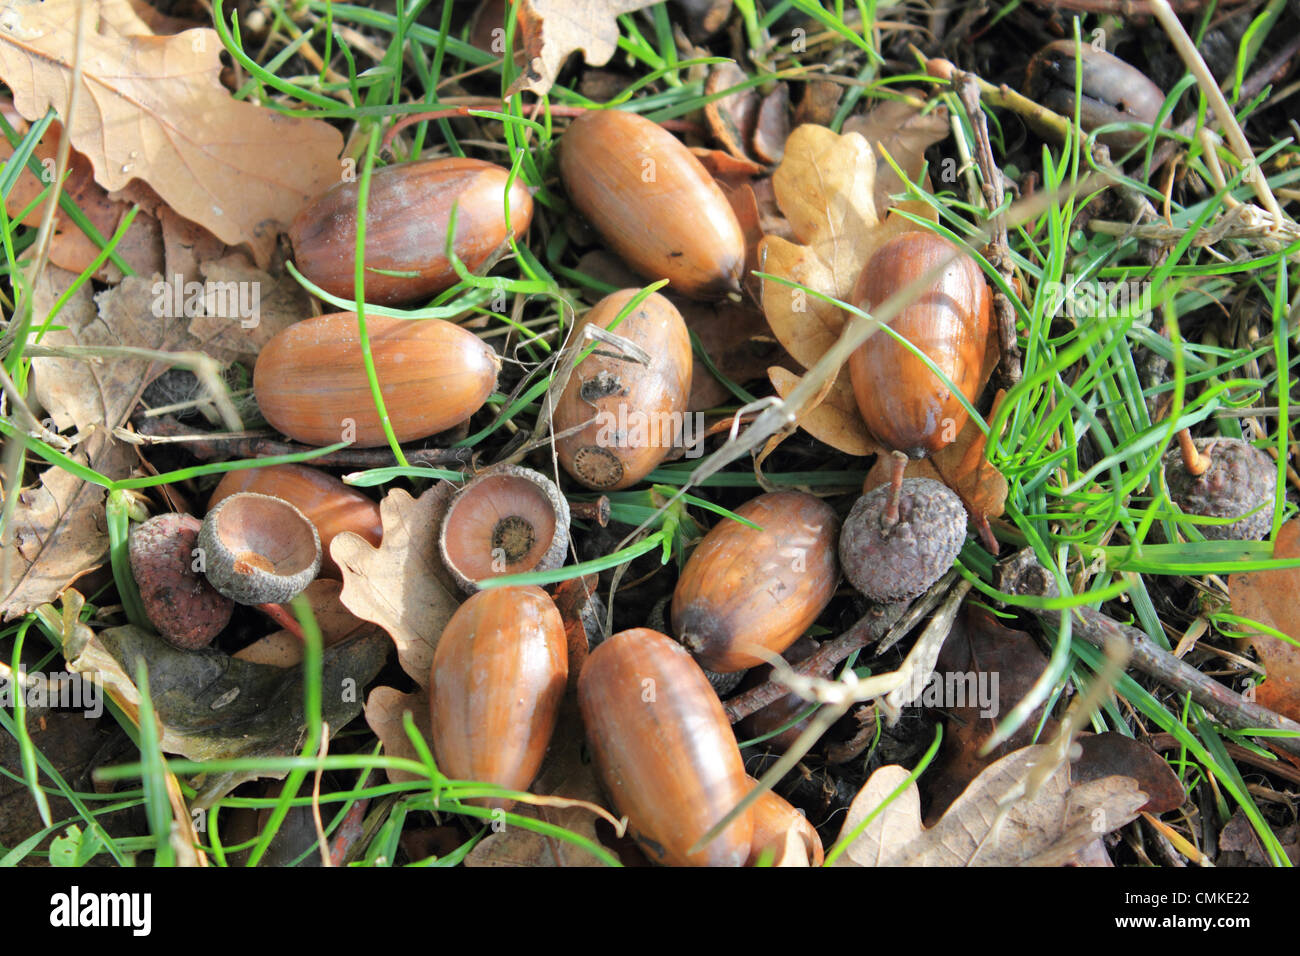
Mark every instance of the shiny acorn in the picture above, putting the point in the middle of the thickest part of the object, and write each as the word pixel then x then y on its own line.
pixel 327 502
pixel 495 689
pixel 635 412
pixel 653 202
pixel 310 379
pixel 408 214
pixel 742 586
pixel 664 749
pixel 905 405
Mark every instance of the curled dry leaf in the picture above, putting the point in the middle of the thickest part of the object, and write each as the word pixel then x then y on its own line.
pixel 836 421
pixel 385 708
pixel 1047 829
pixel 1269 598
pixel 553 29
pixel 153 108
pixel 732 118
pixel 402 585
pixel 211 706
pixel 905 132
pixel 773 126
pixel 1108 754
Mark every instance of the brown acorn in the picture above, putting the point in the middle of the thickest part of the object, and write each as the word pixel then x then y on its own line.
pixel 506 520
pixel 408 212
pixel 665 751
pixel 639 411
pixel 1112 91
pixel 904 404
pixel 498 678
pixel 310 379
pixel 743 586
pixel 774 817
pixel 328 503
pixel 653 202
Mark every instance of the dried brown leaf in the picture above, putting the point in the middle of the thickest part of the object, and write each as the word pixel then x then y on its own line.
pixel 554 29
pixel 1047 829
pixel 1269 598
pixel 153 108
pixel 384 709
pixel 905 132
pixel 402 585
pixel 836 420
pixel 731 118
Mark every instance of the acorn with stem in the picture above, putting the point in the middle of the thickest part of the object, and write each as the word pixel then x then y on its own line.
pixel 1223 478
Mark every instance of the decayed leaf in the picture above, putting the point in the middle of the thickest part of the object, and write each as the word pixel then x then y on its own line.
pixel 1269 598
pixel 904 132
pixel 153 108
pixel 553 29
pixel 402 585
pixel 233 326
pixel 737 341
pixel 563 775
pixel 836 421
pixel 1045 830
pixel 980 646
pixel 731 118
pixel 384 710
pixel 211 706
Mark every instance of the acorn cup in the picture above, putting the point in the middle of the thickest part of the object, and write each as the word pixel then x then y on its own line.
pixel 331 506
pixel 495 690
pixel 653 202
pixel 258 549
pixel 407 217
pixel 506 520
pixel 904 404
pixel 635 413
pixel 745 587
pixel 310 379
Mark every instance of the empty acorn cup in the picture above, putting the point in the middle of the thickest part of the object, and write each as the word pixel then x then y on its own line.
pixel 258 549
pixel 506 520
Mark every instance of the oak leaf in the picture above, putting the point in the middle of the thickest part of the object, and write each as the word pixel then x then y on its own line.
pixel 153 108
pixel 553 29
pixel 1269 597
pixel 402 585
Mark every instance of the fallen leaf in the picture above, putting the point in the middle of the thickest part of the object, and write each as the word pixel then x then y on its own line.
pixel 820 101
pixel 737 341
pixel 836 421
pixel 384 710
pixel 905 132
pixel 773 126
pixel 1269 598
pixel 402 585
pixel 553 29
pixel 1048 829
pixel 731 118
pixel 1112 754
pixel 981 649
pixel 153 108
pixel 729 171
pixel 211 706
pixel 244 307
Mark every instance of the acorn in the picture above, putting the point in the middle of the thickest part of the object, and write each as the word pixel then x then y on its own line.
pixel 498 678
pixel 743 586
pixel 902 537
pixel 774 817
pixel 653 202
pixel 1112 91
pixel 506 520
pixel 1223 478
pixel 904 404
pixel 664 749
pixel 408 212
pixel 330 505
pixel 636 412
pixel 182 606
pixel 310 379
pixel 258 549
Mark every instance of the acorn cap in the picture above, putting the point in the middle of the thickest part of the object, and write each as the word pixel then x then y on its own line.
pixel 896 561
pixel 506 520
pixel 258 549
pixel 1240 479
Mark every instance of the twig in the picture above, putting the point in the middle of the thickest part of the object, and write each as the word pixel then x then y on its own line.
pixel 207 446
pixel 1023 575
pixel 870 628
